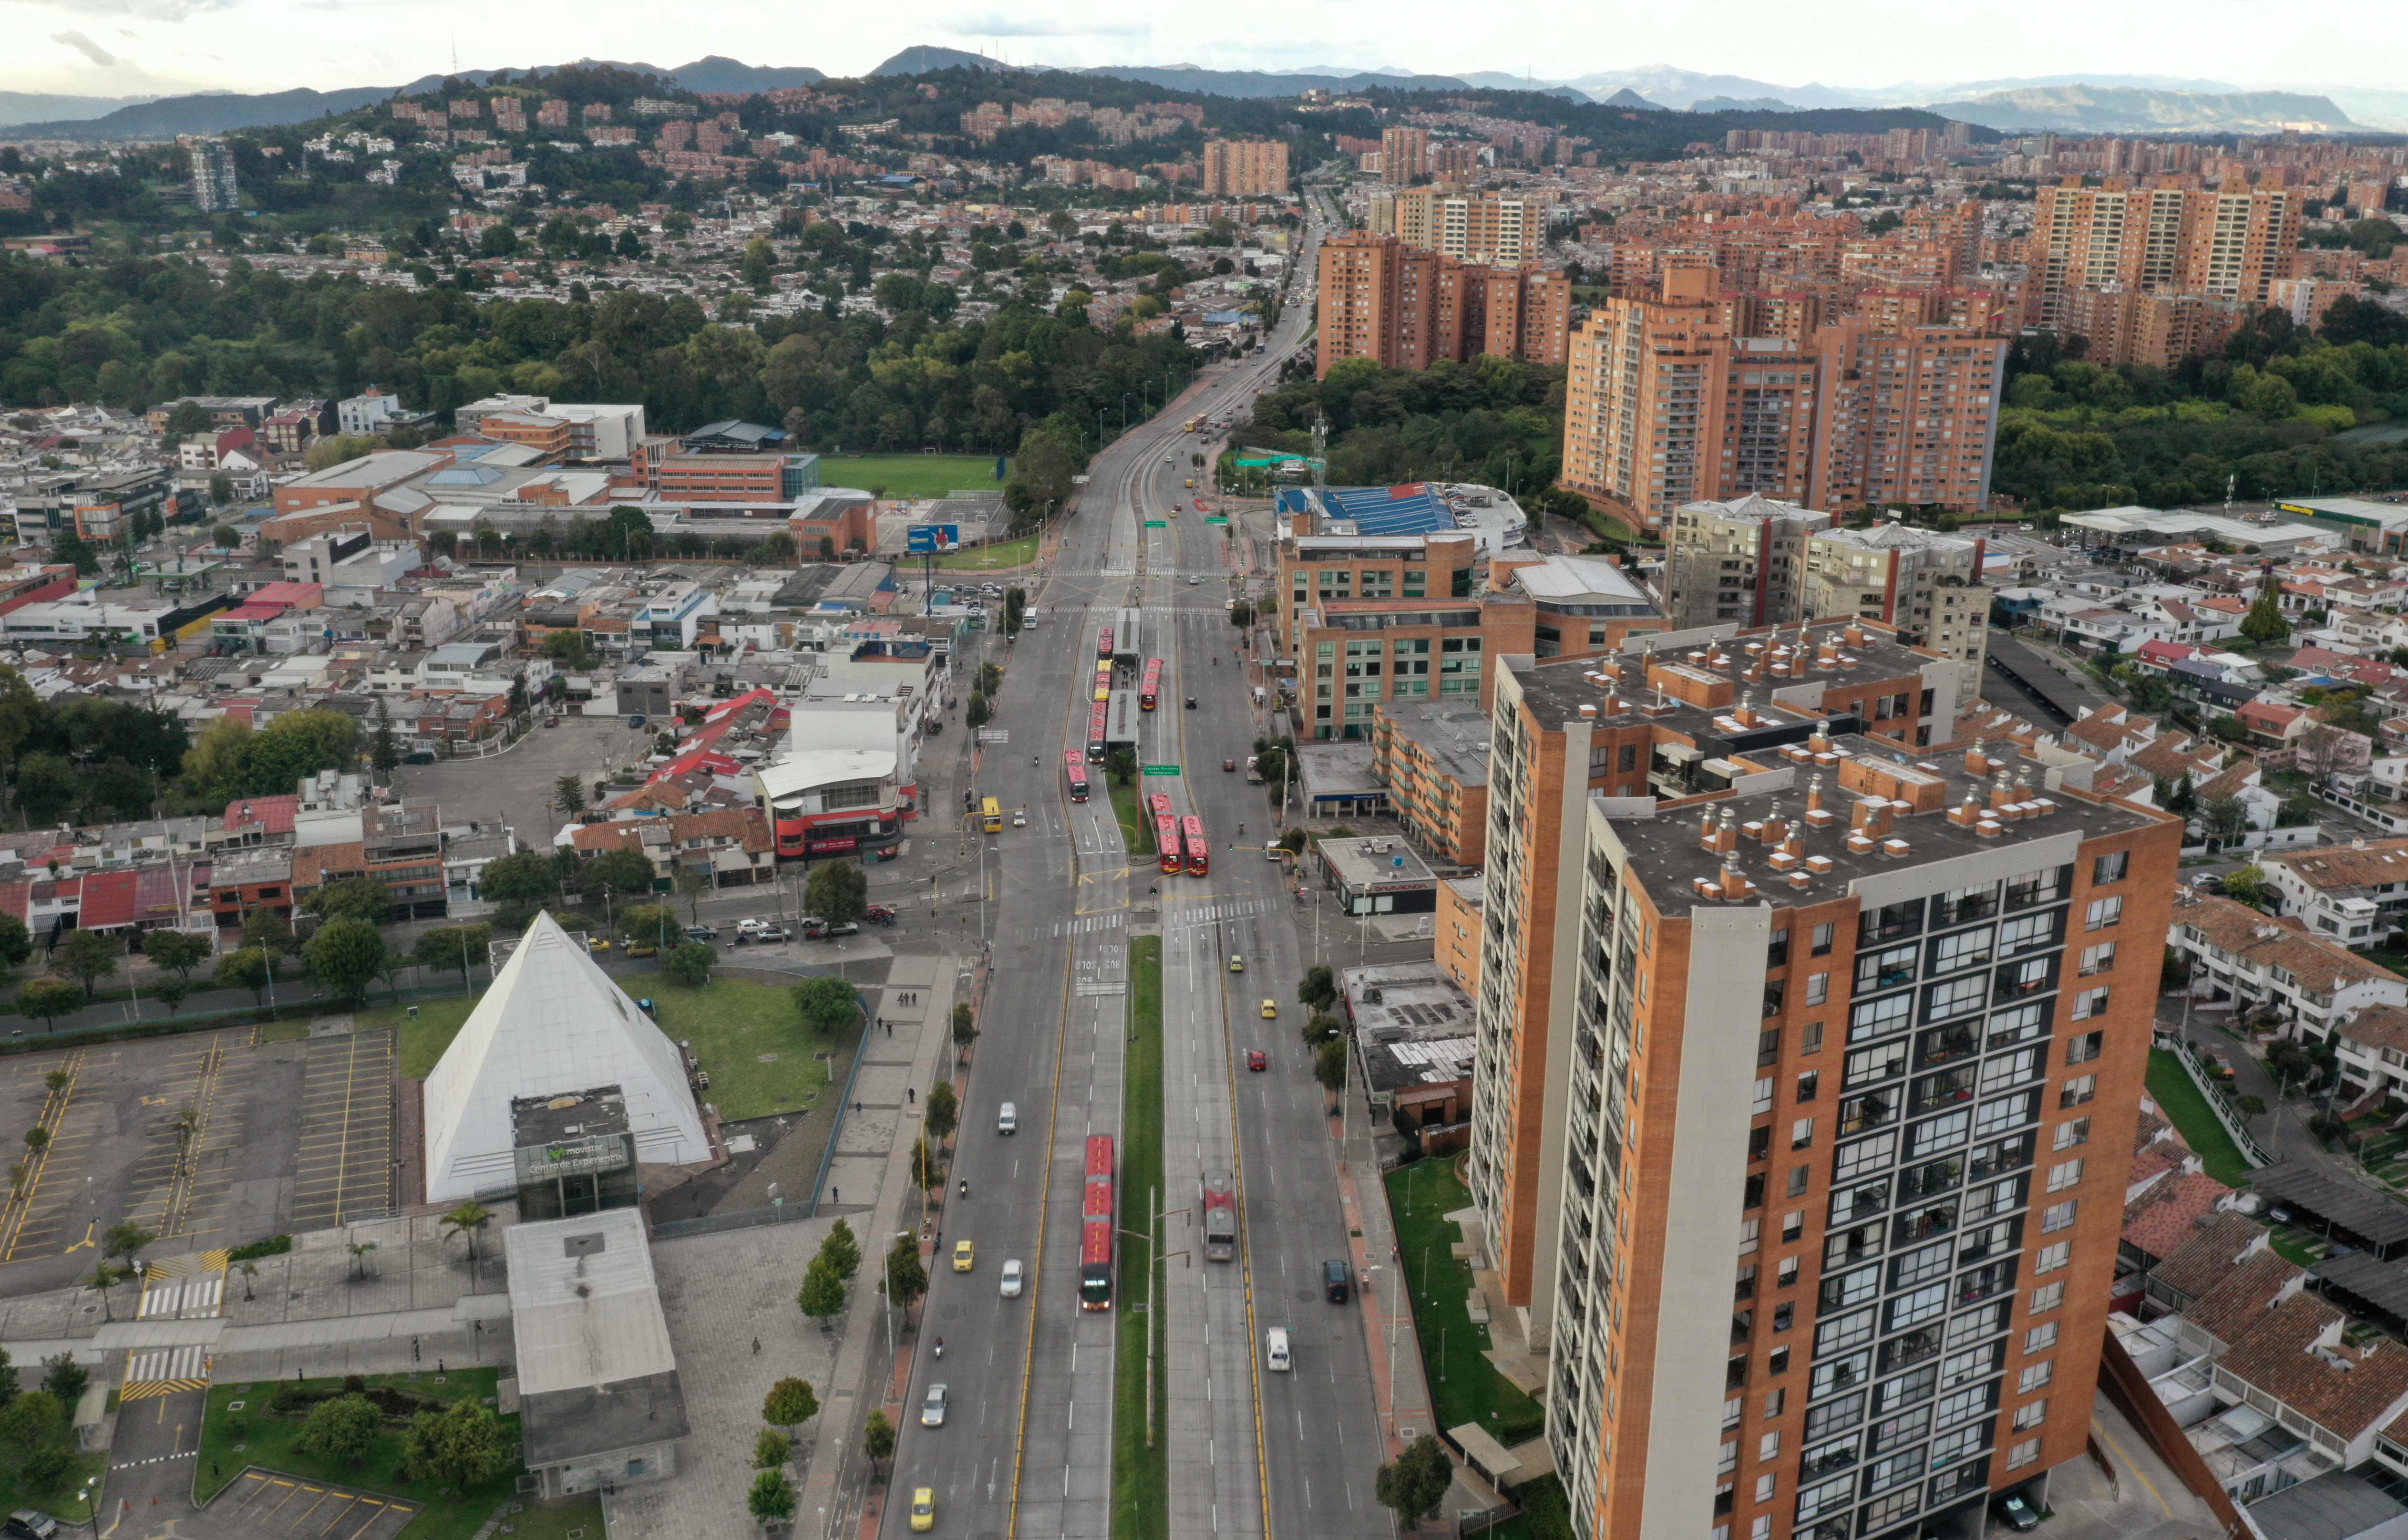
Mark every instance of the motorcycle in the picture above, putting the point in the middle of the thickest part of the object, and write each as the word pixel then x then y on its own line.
pixel 940 1347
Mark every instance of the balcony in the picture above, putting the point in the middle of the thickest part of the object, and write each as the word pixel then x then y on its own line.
pixel 1858 1113
pixel 1826 1461
pixel 1952 1088
pixel 1924 1224
pixel 1859 1201
pixel 1913 1348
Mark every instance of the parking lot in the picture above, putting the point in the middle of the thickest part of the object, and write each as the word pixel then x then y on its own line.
pixel 206 1140
pixel 516 786
pixel 260 1502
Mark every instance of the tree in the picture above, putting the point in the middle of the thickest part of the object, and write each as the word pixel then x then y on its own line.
pixel 7 1378
pixel 616 873
pixel 2224 816
pixel 1319 989
pixel 341 1428
pixel 1329 1066
pixel 225 537
pixel 965 1025
pixel 466 1220
pixel 351 899
pixel 771 1448
pixel 943 1110
pixel 688 964
pixel 837 892
pixel 105 1276
pixel 30 1421
pixel 125 1241
pixel 1241 615
pixel 2324 749
pixel 975 713
pixel 384 751
pixel 842 1251
pixel 48 998
pixel 17 943
pixel 346 955
pixel 906 1278
pixel 771 1499
pixel 67 1378
pixel 526 878
pixel 569 794
pixel 1320 1028
pixel 1413 1485
pixel 1121 765
pixel 462 1446
pixel 361 1251
pixel 878 1438
pixel 177 951
pixel 821 1297
pixel 86 957
pixel 246 969
pixel 790 1402
pixel 270 931
pixel 2264 623
pixel 453 948
pixel 2246 884
pixel 827 1003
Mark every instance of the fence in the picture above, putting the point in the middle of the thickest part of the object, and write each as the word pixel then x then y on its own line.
pixel 2212 1093
pixel 749 1219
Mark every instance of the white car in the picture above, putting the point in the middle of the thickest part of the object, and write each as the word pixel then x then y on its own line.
pixel 1011 1279
pixel 932 1411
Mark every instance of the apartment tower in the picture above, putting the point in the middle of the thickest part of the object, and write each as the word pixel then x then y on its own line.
pixel 1471 226
pixel 1245 168
pixel 1737 562
pixel 2231 244
pixel 1406 308
pixel 1933 972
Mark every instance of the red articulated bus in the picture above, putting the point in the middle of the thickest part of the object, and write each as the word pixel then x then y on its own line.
pixel 1096 726
pixel 1199 860
pixel 1150 694
pixel 1096 1224
pixel 1074 765
pixel 1104 645
pixel 1166 838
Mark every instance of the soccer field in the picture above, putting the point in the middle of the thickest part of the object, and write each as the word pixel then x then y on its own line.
pixel 913 475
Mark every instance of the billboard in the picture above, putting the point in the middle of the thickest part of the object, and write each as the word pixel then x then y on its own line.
pixel 933 536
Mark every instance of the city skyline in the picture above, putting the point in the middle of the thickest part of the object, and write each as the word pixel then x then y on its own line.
pixel 169 46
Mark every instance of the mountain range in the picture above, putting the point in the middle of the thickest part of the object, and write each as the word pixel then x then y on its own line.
pixel 2084 104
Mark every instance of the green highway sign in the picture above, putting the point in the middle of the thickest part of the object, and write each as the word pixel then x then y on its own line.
pixel 1161 769
pixel 1158 523
pixel 1216 518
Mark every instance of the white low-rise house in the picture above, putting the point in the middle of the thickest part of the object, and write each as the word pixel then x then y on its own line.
pixel 2355 894
pixel 2248 959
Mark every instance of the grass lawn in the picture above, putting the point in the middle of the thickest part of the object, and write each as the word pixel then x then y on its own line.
pixel 731 1022
pixel 268 1441
pixel 1137 830
pixel 991 558
pixel 1141 1475
pixel 63 1502
pixel 423 1038
pixel 1546 1513
pixel 913 475
pixel 555 1520
pixel 2172 1088
pixel 1466 1386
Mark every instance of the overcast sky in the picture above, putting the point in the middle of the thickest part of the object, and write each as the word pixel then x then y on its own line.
pixel 129 47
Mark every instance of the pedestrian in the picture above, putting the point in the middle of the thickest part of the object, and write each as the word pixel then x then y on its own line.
pixel 910 1095
pixel 756 1347
pixel 836 1194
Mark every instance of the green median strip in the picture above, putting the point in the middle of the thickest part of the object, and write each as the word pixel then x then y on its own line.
pixel 1137 830
pixel 1141 1434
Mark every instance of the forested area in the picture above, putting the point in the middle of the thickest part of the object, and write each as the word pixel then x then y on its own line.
pixel 2278 413
pixel 91 760
pixel 1493 421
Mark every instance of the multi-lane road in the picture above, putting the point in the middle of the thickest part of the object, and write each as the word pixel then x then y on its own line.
pixel 1026 1447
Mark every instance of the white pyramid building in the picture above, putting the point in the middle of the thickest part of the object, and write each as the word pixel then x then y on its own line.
pixel 552 1022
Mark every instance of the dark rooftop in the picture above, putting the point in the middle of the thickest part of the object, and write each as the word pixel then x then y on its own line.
pixel 2382 1221
pixel 560 1426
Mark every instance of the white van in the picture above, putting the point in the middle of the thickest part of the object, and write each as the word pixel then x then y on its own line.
pixel 1007 1119
pixel 1275 1355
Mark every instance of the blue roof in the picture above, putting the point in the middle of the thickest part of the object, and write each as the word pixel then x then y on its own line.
pixel 1373 511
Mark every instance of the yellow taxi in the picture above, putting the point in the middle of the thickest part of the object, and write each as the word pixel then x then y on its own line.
pixel 596 943
pixel 1237 962
pixel 962 1256
pixel 1270 1009
pixel 923 1509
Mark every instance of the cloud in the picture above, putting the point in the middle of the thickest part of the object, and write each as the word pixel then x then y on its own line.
pixel 86 47
pixel 158 10
pixel 995 26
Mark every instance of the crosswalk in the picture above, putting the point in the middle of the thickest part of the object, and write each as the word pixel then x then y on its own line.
pixel 196 1298
pixel 164 1370
pixel 1221 910
pixel 1088 925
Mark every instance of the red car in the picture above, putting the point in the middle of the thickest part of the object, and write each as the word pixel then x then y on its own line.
pixel 878 913
pixel 1228 764
pixel 1255 1059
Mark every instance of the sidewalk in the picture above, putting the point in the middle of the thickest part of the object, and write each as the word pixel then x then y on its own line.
pixel 1397 1380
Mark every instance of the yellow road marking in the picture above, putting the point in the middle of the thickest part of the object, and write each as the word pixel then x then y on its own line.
pixel 2130 1464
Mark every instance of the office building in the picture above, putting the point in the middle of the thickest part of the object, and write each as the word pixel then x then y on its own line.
pixel 1245 168
pixel 1737 562
pixel 1406 308
pixel 213 182
pixel 1497 227
pixel 2230 244
pixel 1936 973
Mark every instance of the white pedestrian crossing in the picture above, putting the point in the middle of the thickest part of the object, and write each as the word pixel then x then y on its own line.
pixel 185 1299
pixel 167 1363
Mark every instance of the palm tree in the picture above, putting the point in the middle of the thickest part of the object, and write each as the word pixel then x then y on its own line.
pixel 104 1274
pixel 468 1219
pixel 359 1250
pixel 250 1271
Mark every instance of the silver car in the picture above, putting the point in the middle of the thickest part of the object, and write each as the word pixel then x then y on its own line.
pixel 932 1411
